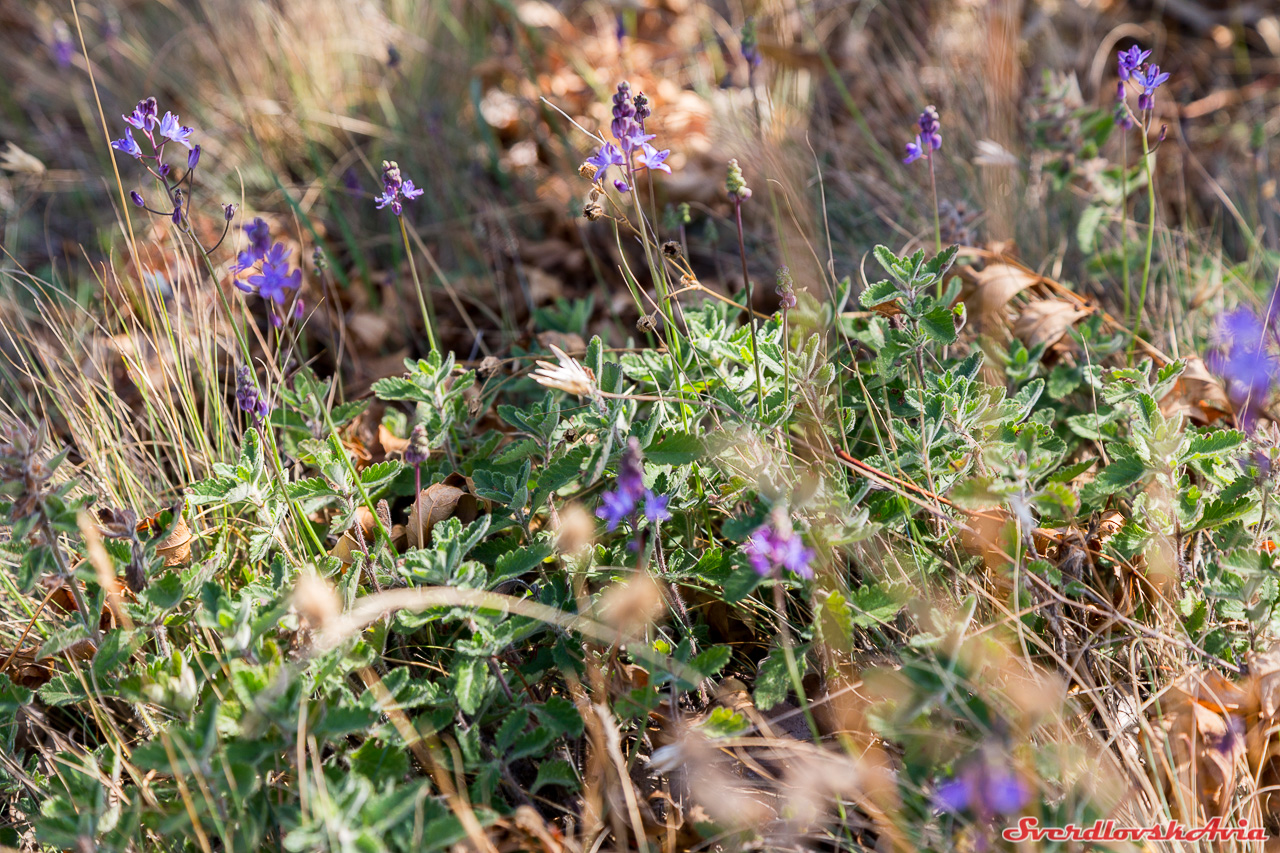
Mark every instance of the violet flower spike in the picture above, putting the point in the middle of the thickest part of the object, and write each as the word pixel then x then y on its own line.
pixel 144 115
pixel 249 398
pixel 1129 61
pixel 395 188
pixel 621 504
pixel 775 547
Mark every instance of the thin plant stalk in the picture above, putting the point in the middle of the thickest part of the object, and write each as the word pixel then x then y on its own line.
pixel 1124 223
pixel 424 299
pixel 751 316
pixel 937 220
pixel 1141 305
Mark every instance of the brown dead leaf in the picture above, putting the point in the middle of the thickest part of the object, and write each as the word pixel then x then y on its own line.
pixel 436 503
pixel 369 331
pixel 1208 751
pixel 391 443
pixel 1197 394
pixel 348 543
pixel 176 547
pixel 989 289
pixel 1045 321
pixel 570 342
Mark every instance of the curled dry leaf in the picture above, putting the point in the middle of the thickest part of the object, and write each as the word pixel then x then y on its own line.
pixel 391 443
pixel 348 544
pixel 1204 726
pixel 176 547
pixel 1197 394
pixel 988 290
pixel 436 503
pixel 1046 321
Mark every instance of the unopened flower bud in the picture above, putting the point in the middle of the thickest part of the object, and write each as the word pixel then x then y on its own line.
pixel 735 184
pixel 419 447
pixel 228 211
pixel 193 157
pixel 136 198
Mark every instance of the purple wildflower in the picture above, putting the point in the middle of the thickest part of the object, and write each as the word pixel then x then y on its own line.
pixel 419 448
pixel 172 129
pixel 1129 61
pixel 615 508
pixel 631 470
pixel 621 185
pixel 136 198
pixel 608 155
pixel 193 158
pixel 641 103
pixel 144 115
pixel 953 796
pixel 275 278
pixel 655 506
pixel 1150 78
pixel 984 788
pixel 63 47
pixel 395 188
pixel 915 150
pixel 624 124
pixel 930 126
pixel 128 145
pixel 651 158
pixel 259 234
pixel 248 398
pixel 929 138
pixel 775 547
pixel 1249 371
pixel 621 504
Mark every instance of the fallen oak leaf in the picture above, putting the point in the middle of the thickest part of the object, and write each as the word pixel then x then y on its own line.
pixel 988 290
pixel 1045 321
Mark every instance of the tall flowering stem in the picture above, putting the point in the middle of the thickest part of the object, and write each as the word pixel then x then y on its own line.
pixel 739 192
pixel 786 301
pixel 632 153
pixel 928 140
pixel 395 191
pixel 1132 70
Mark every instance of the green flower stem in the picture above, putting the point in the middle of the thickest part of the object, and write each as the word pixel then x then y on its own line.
pixel 1141 305
pixel 425 304
pixel 937 220
pixel 751 314
pixel 1124 224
